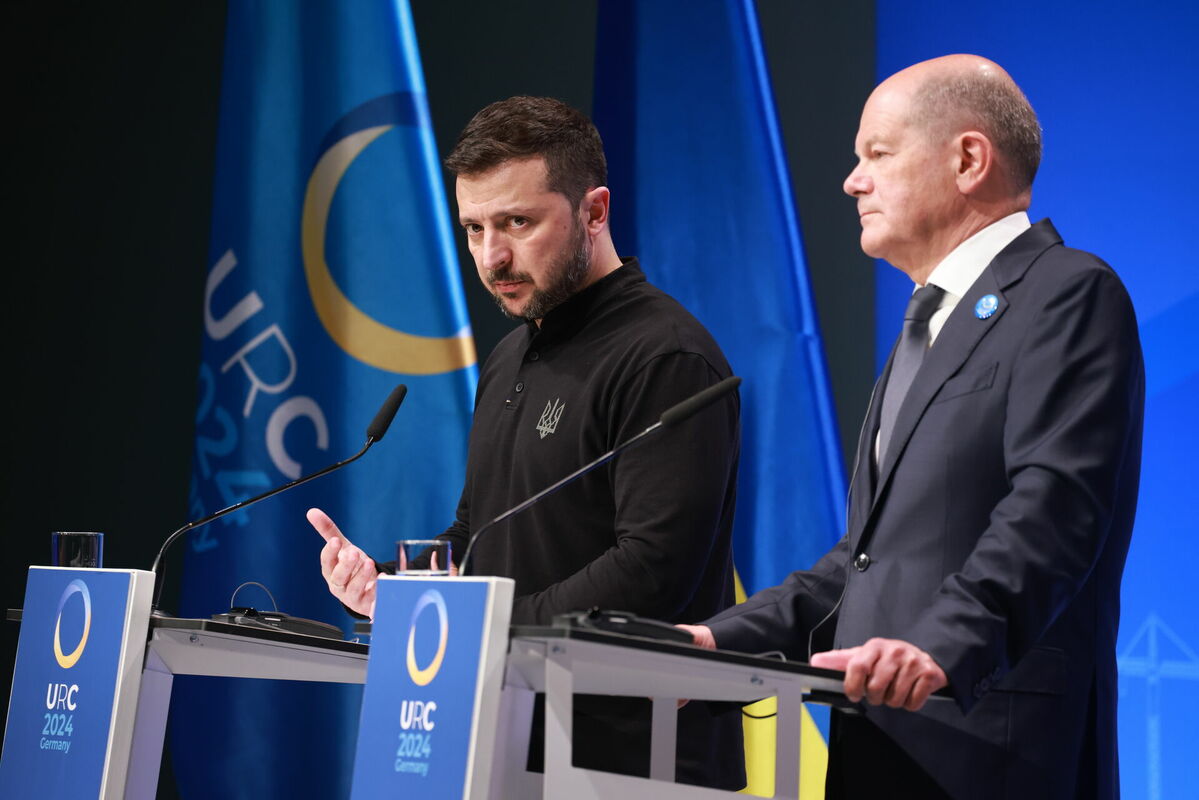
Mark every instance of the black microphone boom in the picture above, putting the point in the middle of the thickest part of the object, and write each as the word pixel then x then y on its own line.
pixel 382 420
pixel 698 401
pixel 671 416
pixel 374 433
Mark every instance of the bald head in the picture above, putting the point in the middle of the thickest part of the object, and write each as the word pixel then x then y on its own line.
pixel 959 92
pixel 945 148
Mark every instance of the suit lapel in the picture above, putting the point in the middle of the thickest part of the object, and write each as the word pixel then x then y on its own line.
pixel 865 476
pixel 953 346
pixel 957 340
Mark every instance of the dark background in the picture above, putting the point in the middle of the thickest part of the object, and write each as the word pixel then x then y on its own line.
pixel 111 118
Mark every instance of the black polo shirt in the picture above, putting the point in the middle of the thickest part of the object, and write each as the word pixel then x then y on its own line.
pixel 649 532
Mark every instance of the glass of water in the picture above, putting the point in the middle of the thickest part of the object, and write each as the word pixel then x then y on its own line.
pixel 76 549
pixel 423 557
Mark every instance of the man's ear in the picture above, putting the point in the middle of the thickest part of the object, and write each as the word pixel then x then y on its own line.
pixel 594 207
pixel 974 161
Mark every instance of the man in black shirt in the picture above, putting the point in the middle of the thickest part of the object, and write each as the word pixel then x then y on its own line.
pixel 600 354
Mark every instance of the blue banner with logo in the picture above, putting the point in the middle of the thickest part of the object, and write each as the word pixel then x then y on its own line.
pixel 421 693
pixel 700 192
pixel 332 277
pixel 64 684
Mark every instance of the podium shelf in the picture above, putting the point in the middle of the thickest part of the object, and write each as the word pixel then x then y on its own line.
pixel 618 664
pixel 221 649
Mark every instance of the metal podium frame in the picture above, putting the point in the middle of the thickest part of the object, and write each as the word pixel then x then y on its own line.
pixel 557 661
pixel 565 661
pixel 221 649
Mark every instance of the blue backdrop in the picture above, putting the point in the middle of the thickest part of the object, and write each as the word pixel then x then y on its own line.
pixel 1114 85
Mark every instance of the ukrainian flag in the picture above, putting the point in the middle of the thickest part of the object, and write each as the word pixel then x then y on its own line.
pixel 701 194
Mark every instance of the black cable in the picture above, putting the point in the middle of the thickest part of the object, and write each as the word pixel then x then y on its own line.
pixel 745 713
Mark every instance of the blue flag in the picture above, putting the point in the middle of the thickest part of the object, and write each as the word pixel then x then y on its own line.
pixel 700 193
pixel 332 278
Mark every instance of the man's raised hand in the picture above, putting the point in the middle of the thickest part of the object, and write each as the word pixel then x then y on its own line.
pixel 350 573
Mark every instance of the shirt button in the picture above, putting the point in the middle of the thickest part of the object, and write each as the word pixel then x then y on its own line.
pixel 861 562
pixel 533 356
pixel 520 386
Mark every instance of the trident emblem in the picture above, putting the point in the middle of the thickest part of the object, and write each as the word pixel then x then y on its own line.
pixel 549 418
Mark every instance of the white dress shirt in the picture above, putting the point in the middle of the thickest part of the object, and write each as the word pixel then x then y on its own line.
pixel 958 271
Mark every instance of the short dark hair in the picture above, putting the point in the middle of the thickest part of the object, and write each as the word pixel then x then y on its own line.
pixel 528 127
pixel 997 106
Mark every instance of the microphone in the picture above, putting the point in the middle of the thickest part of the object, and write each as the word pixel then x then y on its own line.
pixel 671 416
pixel 374 432
pixel 696 402
pixel 386 413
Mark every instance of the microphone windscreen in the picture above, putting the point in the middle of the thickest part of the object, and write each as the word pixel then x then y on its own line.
pixel 699 400
pixel 382 420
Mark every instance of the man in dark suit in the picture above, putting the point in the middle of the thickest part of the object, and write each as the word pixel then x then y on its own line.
pixel 993 497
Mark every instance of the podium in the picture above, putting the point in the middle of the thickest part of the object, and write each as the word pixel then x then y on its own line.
pixel 566 661
pixel 137 657
pixel 223 650
pixel 557 661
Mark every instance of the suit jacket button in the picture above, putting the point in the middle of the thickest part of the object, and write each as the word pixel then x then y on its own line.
pixel 861 562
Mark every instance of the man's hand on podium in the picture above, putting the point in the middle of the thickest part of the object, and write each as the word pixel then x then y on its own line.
pixel 350 572
pixel 701 635
pixel 886 671
pixel 883 671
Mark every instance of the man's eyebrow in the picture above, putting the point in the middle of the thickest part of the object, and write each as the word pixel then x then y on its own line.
pixel 503 213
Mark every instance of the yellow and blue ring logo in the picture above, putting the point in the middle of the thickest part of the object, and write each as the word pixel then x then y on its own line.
pixel 354 331
pixel 66 661
pixel 422 677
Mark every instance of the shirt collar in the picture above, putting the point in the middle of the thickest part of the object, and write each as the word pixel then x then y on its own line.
pixel 567 317
pixel 958 271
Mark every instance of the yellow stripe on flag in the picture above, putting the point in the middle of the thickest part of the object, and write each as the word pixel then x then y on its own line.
pixel 760 744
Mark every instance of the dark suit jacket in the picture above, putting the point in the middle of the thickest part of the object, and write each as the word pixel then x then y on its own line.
pixel 996 532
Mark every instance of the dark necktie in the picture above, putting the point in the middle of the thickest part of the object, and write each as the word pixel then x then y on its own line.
pixel 913 344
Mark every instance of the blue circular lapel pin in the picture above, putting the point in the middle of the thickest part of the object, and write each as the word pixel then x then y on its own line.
pixel 986 306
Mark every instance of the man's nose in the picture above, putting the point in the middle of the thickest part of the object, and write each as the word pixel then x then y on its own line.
pixel 496 253
pixel 857 182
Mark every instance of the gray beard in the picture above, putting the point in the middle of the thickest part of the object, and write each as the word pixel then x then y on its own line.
pixel 566 277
